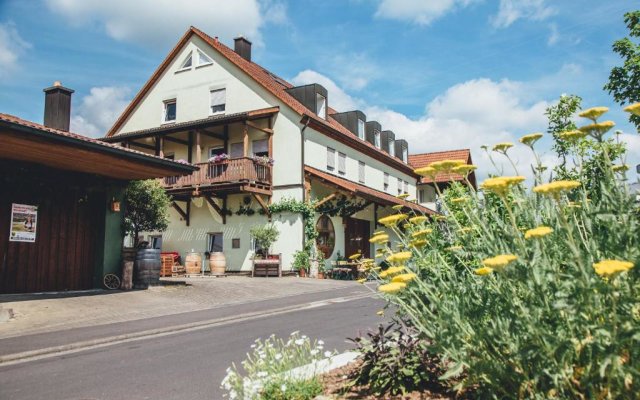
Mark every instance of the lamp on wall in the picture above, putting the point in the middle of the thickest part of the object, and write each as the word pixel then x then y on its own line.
pixel 115 205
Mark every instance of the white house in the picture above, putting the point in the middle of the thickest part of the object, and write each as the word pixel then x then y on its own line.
pixel 207 101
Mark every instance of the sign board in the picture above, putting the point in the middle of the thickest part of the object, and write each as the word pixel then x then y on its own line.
pixel 24 220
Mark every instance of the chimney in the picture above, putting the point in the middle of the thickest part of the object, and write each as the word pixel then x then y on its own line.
pixel 243 47
pixel 57 106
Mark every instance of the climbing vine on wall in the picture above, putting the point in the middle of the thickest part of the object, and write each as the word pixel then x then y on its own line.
pixel 306 209
pixel 341 207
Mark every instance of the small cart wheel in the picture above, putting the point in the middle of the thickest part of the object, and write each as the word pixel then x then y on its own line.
pixel 111 281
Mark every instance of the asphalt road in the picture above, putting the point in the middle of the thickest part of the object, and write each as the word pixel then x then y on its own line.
pixel 186 365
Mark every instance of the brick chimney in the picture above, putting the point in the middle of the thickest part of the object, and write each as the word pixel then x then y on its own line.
pixel 243 47
pixel 57 106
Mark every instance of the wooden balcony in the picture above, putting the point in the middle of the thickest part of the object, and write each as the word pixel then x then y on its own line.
pixel 229 176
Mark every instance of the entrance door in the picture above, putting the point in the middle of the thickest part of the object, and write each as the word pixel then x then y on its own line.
pixel 357 233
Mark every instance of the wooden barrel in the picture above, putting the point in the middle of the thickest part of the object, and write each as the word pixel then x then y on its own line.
pixel 147 268
pixel 217 263
pixel 193 263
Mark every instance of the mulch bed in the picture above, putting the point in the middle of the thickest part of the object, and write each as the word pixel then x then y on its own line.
pixel 337 380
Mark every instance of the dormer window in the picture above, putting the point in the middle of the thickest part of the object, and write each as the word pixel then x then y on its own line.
pixel 321 106
pixel 405 155
pixel 203 59
pixel 376 137
pixel 361 129
pixel 187 63
pixel 169 114
pixel 392 148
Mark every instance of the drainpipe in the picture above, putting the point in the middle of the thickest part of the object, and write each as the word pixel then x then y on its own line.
pixel 302 138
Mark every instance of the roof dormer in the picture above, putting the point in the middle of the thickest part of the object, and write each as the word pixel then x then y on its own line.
pixel 373 131
pixel 402 150
pixel 355 121
pixel 313 97
pixel 388 139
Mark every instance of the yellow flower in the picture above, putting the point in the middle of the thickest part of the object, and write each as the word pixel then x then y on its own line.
pixel 598 129
pixel 500 185
pixel 418 243
pixel 399 257
pixel 426 171
pixel 538 232
pixel 572 135
pixel 620 168
pixel 367 261
pixel 380 313
pixel 611 267
pixel 382 238
pixel 483 271
pixel 502 147
pixel 418 219
pixel 556 187
pixel 392 287
pixel 403 196
pixel 514 180
pixel 530 139
pixel 363 280
pixel 379 233
pixel 404 278
pixel 411 200
pixel 398 207
pixel 465 230
pixel 392 271
pixel 459 200
pixel 422 232
pixel 593 113
pixel 633 109
pixel 446 165
pixel 499 261
pixel 464 169
pixel 573 204
pixel 454 248
pixel 392 219
pixel 355 256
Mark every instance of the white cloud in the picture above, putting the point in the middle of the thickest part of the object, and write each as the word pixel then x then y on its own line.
pixel 161 22
pixel 12 47
pixel 554 35
pixel 338 98
pixel 99 110
pixel 512 10
pixel 421 12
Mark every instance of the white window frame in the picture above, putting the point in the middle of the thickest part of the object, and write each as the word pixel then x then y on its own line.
pixel 361 171
pixel 216 147
pixel 211 92
pixel 164 111
pixel 399 185
pixel 184 61
pixel 211 235
pixel 331 159
pixel 386 182
pixel 361 129
pixel 376 139
pixel 392 148
pixel 204 64
pixel 342 163
pixel 405 155
pixel 406 187
pixel 321 107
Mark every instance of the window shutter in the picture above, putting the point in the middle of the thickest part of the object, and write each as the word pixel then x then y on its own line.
pixel 331 159
pixel 260 146
pixel 361 167
pixel 406 187
pixel 218 100
pixel 342 163
pixel 236 150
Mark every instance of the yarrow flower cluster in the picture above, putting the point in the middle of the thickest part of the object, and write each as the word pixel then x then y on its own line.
pixel 502 147
pixel 593 113
pixel 538 232
pixel 501 185
pixel 392 219
pixel 555 188
pixel 530 139
pixel 611 267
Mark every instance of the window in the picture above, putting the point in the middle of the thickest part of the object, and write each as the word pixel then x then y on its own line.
pixel 187 63
pixel 326 240
pixel 203 59
pixel 214 242
pixel 376 139
pixel 342 163
pixel 216 151
pixel 405 155
pixel 406 187
pixel 386 181
pixel 361 129
pixel 261 148
pixel 421 196
pixel 392 148
pixel 170 110
pixel 156 242
pixel 361 167
pixel 331 159
pixel 321 106
pixel 218 100
pixel 399 186
pixel 236 150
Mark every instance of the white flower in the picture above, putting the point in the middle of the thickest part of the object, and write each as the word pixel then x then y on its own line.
pixel 253 346
pixel 294 333
pixel 327 354
pixel 278 356
pixel 233 394
pixel 299 342
pixel 283 387
pixel 314 352
pixel 320 342
pixel 304 336
pixel 262 374
pixel 320 347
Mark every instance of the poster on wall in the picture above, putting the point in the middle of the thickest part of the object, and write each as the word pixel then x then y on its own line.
pixel 23 223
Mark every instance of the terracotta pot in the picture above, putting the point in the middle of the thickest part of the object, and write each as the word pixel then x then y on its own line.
pixel 320 275
pixel 302 273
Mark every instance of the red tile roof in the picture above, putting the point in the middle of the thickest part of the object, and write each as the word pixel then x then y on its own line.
pixel 425 159
pixel 366 192
pixel 274 84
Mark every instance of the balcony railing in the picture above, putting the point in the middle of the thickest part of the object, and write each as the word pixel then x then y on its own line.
pixel 235 170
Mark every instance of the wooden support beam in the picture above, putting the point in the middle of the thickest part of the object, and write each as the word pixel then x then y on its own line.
pixel 307 189
pixel 375 216
pixel 254 189
pixel 184 214
pixel 188 212
pixel 256 126
pixel 226 139
pixel 327 198
pixel 158 149
pixel 176 140
pixel 216 207
pixel 198 148
pixel 142 145
pixel 224 209
pixel 190 148
pixel 263 204
pixel 246 139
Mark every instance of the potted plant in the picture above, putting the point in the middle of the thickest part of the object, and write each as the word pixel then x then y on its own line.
pixel 264 236
pixel 322 268
pixel 301 262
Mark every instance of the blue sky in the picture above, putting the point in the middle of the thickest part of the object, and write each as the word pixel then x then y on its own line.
pixel 443 74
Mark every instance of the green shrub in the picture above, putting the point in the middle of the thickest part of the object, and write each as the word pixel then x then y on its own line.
pixel 292 390
pixel 301 260
pixel 541 297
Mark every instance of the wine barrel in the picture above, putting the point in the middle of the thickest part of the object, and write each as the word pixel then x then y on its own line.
pixel 193 263
pixel 147 268
pixel 217 263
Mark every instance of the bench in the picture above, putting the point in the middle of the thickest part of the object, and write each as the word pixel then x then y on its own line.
pixel 268 267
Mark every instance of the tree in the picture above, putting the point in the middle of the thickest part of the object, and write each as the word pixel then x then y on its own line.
pixel 624 81
pixel 146 208
pixel 560 120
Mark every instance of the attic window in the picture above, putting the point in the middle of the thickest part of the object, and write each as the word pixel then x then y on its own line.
pixel 405 155
pixel 376 139
pixel 203 59
pixel 187 63
pixel 321 106
pixel 361 129
pixel 392 148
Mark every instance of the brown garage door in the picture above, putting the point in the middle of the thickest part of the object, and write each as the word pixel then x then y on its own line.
pixel 67 229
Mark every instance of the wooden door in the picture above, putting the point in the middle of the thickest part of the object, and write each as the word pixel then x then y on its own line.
pixel 357 234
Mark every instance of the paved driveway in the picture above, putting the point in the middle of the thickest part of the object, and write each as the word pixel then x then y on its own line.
pixel 47 312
